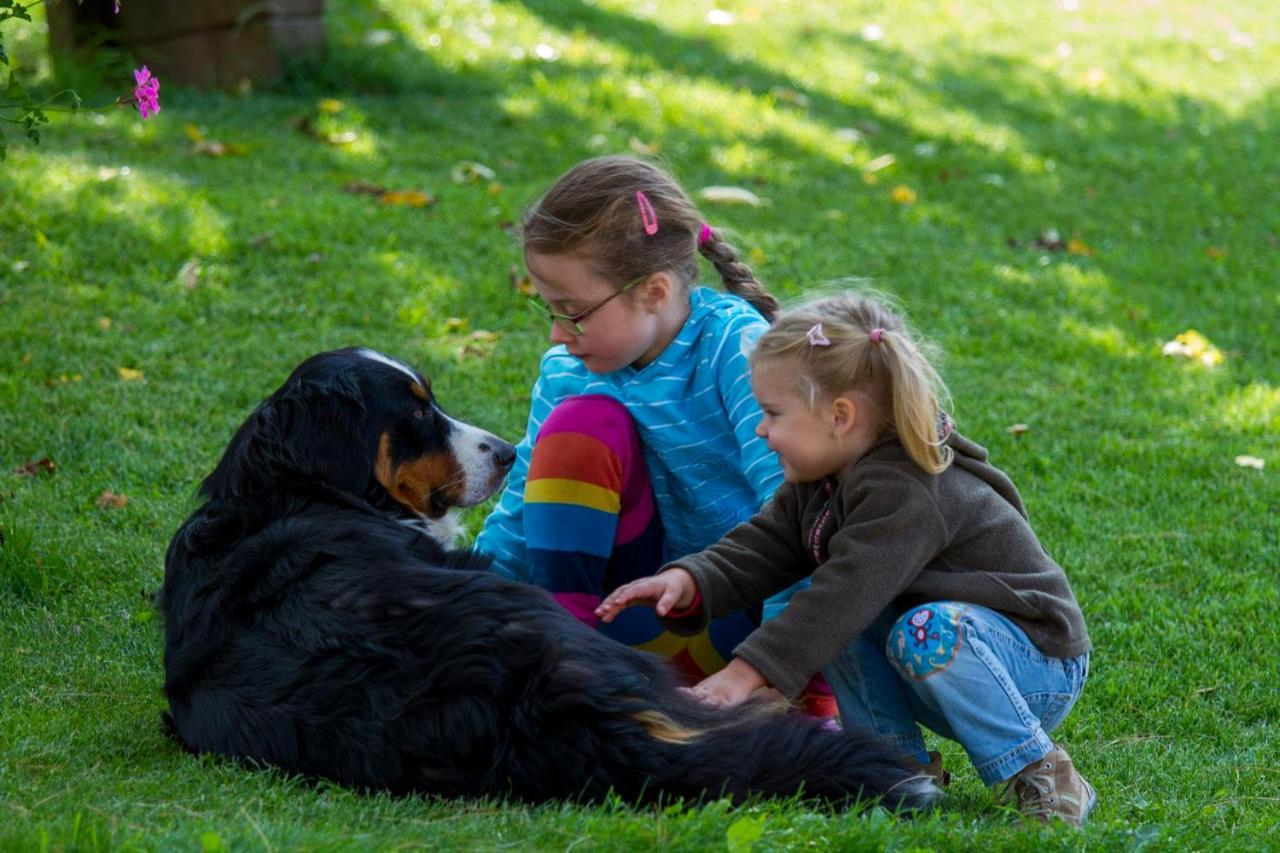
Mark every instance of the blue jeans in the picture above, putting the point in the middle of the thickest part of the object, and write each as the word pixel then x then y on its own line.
pixel 966 672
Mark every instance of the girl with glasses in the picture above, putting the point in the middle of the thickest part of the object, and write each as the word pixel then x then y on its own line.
pixel 641 443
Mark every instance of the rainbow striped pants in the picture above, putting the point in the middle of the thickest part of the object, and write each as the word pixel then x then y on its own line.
pixel 591 525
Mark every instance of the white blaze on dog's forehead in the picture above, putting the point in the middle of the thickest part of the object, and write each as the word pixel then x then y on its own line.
pixel 391 362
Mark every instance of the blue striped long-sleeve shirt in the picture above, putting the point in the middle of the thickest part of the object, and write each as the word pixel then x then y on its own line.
pixel 696 416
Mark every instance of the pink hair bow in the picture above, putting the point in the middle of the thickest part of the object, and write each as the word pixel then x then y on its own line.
pixel 816 337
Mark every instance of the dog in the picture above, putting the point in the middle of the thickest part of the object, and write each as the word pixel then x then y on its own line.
pixel 314 623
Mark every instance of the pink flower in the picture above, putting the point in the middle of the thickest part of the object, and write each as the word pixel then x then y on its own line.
pixel 117 7
pixel 147 93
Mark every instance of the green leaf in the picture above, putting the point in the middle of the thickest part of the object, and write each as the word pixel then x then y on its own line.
pixel 14 90
pixel 743 834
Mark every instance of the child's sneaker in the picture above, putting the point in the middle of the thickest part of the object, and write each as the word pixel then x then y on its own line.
pixel 1051 788
pixel 933 769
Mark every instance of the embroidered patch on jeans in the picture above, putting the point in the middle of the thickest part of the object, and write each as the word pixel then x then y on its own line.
pixel 926 639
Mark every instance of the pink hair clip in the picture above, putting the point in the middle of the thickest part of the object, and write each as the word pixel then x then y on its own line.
pixel 647 214
pixel 704 235
pixel 815 336
pixel 876 334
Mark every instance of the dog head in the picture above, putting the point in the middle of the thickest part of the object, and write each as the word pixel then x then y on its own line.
pixel 360 422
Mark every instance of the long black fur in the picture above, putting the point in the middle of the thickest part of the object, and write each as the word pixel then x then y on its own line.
pixel 307 626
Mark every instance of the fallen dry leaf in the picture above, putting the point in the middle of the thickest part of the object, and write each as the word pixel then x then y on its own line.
pixel 469 172
pixel 1251 462
pixel 104 323
pixel 642 148
pixel 128 374
pixel 363 187
pixel 1215 253
pixel 1191 344
pixel 407 198
pixel 730 195
pixel 189 274
pixel 884 161
pixel 211 147
pixel 307 125
pixel 1079 247
pixel 404 198
pixel 214 148
pixel 1050 240
pixel 1017 429
pixel 109 499
pixel 44 465
pixel 787 95
pixel 903 194
pixel 484 336
pixel 456 324
pixel 522 283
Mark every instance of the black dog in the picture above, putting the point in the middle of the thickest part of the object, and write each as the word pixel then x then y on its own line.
pixel 313 623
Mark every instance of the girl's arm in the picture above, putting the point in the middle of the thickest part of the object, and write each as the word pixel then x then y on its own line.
pixel 892 529
pixel 757 462
pixel 668 592
pixel 753 560
pixel 730 686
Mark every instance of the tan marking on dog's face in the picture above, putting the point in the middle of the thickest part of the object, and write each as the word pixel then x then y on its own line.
pixel 415 482
pixel 420 392
pixel 382 466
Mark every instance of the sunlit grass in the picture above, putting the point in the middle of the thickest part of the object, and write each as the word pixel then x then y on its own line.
pixel 931 150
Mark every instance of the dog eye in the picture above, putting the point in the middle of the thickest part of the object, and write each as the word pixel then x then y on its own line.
pixel 422 412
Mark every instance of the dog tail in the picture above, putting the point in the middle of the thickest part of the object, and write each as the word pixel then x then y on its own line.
pixel 761 754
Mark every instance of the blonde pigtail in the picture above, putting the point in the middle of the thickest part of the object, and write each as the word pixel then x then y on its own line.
pixel 916 390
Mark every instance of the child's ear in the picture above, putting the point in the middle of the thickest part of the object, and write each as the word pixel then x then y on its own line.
pixel 656 291
pixel 844 414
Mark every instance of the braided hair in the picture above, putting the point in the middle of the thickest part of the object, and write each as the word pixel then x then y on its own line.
pixel 594 209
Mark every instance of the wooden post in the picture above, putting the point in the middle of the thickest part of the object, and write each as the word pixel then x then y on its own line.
pixel 204 44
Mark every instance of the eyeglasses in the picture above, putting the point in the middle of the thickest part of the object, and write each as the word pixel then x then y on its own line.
pixel 572 323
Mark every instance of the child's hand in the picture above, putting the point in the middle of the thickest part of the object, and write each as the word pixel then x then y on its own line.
pixel 672 589
pixel 730 686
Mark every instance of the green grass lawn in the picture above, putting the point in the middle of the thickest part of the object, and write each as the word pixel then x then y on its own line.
pixel 150 295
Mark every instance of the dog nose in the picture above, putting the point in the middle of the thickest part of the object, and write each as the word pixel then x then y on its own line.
pixel 504 455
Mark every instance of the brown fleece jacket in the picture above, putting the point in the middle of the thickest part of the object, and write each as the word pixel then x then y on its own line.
pixel 883 533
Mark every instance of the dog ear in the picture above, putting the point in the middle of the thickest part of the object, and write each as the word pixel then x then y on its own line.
pixel 310 431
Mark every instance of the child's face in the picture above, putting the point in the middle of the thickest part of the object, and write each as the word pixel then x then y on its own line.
pixel 811 444
pixel 621 329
